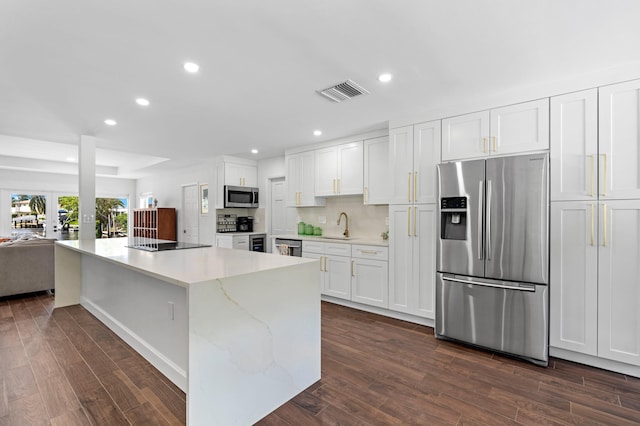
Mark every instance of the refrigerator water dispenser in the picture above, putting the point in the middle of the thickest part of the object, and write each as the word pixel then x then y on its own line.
pixel 454 218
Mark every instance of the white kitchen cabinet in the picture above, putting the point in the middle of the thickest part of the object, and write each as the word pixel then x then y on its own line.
pixel 574 276
pixel 339 170
pixel 414 152
pixel 300 180
pixel 619 141
pixel 376 171
pixel 370 275
pixel 574 146
pixel 507 130
pixel 238 242
pixel 619 281
pixel 412 256
pixel 335 266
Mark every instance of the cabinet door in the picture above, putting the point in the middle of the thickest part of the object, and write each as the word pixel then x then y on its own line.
pixel 465 136
pixel 307 179
pixel 520 128
pixel 370 282
pixel 423 287
pixel 573 322
pixel 401 164
pixel 376 171
pixel 619 143
pixel 350 168
pixel 426 155
pixel 224 241
pixel 574 146
pixel 320 257
pixel 241 242
pixel 326 179
pixel 250 176
pixel 294 179
pixel 400 257
pixel 337 277
pixel 619 282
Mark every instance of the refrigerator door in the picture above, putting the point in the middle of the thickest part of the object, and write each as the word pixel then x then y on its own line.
pixel 503 316
pixel 460 228
pixel 517 212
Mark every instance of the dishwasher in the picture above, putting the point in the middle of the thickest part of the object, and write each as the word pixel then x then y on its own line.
pixel 289 247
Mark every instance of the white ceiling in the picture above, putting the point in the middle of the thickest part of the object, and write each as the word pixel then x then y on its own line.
pixel 67 65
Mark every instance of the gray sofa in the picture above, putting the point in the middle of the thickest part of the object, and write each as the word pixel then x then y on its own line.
pixel 26 266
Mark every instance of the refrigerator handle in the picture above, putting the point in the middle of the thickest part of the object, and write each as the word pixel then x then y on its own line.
pixel 480 193
pixel 488 225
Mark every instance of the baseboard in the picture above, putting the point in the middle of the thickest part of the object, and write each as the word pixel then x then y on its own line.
pixel 380 311
pixel 172 371
pixel 594 361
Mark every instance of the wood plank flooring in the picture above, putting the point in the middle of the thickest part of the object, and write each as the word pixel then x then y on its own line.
pixel 63 367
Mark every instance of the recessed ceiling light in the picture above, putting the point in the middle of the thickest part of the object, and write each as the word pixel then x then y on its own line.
pixel 110 122
pixel 384 78
pixel 71 159
pixel 191 67
pixel 317 132
pixel 254 151
pixel 142 102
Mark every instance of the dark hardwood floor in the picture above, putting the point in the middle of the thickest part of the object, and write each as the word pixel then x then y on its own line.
pixel 64 367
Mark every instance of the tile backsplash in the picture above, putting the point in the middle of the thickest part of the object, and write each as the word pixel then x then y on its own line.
pixel 365 221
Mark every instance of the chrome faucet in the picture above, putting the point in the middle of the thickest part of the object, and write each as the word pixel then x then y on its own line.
pixel 346 227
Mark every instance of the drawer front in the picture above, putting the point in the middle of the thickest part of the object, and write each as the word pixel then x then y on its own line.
pixel 370 252
pixel 313 247
pixel 338 249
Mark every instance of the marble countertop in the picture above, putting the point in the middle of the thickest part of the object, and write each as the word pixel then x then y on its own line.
pixel 369 241
pixel 183 267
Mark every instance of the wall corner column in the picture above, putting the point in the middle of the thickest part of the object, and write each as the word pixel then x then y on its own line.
pixel 87 187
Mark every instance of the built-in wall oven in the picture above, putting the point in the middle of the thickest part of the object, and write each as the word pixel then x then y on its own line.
pixel 289 247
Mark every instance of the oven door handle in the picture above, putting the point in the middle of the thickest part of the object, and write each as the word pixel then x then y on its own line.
pixel 520 287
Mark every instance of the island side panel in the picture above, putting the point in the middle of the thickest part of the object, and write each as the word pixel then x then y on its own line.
pixel 254 343
pixel 147 313
pixel 68 278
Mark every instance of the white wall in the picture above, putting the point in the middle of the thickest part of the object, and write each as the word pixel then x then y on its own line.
pixel 52 185
pixel 167 189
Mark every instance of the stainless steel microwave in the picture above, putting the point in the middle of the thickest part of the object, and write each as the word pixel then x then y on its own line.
pixel 240 196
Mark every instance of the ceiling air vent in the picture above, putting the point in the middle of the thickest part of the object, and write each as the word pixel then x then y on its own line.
pixel 343 91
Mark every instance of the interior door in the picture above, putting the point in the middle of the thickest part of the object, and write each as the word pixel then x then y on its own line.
pixel 190 214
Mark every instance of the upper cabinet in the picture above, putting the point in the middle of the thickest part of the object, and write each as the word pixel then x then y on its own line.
pixel 235 172
pixel 512 129
pixel 595 144
pixel 414 152
pixel 339 170
pixel 376 171
pixel 619 141
pixel 574 146
pixel 300 180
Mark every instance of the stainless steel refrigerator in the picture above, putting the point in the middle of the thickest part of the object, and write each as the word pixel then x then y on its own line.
pixel 493 254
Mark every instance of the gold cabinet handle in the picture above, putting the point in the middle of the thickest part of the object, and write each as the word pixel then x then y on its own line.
pixel 334 186
pixel 321 270
pixel 592 222
pixel 409 187
pixel 326 268
pixel 592 161
pixel 494 143
pixel 604 225
pixel 368 252
pixel 366 195
pixel 353 273
pixel 415 221
pixel 484 145
pixel 415 186
pixel 408 221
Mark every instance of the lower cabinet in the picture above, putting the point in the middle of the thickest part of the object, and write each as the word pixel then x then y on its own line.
pixel 358 273
pixel 412 260
pixel 239 242
pixel 595 278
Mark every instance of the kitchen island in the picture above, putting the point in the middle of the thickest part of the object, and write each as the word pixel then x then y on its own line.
pixel 238 331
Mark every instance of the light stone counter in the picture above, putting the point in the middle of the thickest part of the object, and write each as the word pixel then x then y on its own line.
pixel 238 331
pixel 369 241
